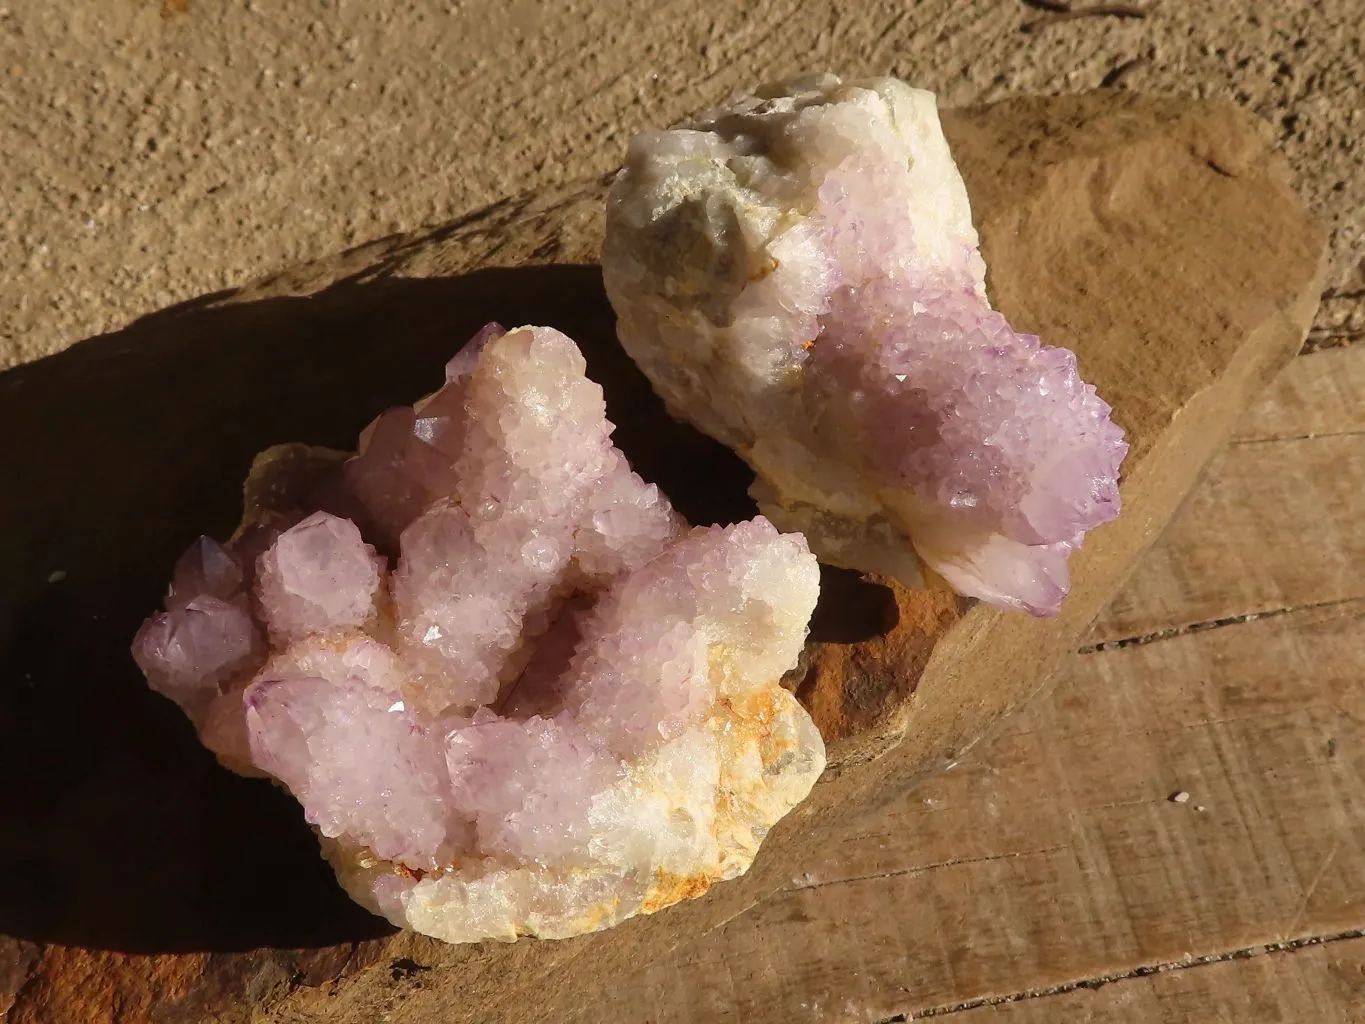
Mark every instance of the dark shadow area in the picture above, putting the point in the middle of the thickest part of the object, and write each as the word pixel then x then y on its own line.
pixel 851 609
pixel 116 829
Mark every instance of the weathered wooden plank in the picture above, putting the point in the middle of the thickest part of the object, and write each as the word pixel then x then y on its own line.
pixel 1106 221
pixel 1054 853
pixel 1275 524
pixel 1321 984
pixel 1318 394
pixel 1013 785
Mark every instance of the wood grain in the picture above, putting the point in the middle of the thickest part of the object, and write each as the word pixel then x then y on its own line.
pixel 1277 522
pixel 1054 856
pixel 1324 984
pixel 1321 395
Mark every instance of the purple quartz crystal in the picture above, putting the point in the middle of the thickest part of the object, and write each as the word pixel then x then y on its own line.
pixel 557 707
pixel 798 275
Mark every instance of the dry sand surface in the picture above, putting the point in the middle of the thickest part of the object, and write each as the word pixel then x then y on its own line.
pixel 158 150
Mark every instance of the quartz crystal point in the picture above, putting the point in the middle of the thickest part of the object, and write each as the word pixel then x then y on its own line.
pixel 799 277
pixel 513 692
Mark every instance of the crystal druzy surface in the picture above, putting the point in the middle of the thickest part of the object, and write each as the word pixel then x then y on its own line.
pixel 512 690
pixel 799 276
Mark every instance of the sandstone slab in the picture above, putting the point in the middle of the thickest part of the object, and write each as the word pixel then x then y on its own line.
pixel 1156 238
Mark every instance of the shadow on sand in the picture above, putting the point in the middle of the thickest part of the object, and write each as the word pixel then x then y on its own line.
pixel 117 830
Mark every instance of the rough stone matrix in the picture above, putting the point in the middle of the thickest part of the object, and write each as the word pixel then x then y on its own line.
pixel 560 708
pixel 799 276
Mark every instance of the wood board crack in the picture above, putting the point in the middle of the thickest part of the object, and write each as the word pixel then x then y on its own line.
pixel 1144 971
pixel 1199 627
pixel 1297 437
pixel 952 862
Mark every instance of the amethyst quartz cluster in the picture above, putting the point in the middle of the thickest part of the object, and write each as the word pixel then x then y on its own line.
pixel 556 707
pixel 799 277
pixel 513 691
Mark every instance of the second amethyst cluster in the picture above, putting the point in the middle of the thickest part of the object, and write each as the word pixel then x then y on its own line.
pixel 799 276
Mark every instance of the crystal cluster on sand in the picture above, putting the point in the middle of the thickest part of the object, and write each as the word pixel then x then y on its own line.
pixel 513 691
pixel 799 276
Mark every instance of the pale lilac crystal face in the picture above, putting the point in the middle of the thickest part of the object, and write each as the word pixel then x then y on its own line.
pixel 318 576
pixel 798 274
pixel 402 471
pixel 520 722
pixel 206 569
pixel 529 785
pixel 206 635
pixel 188 651
pixel 362 765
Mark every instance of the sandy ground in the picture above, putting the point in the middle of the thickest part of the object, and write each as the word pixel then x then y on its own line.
pixel 158 150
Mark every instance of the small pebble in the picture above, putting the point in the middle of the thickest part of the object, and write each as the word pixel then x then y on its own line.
pixel 1180 798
